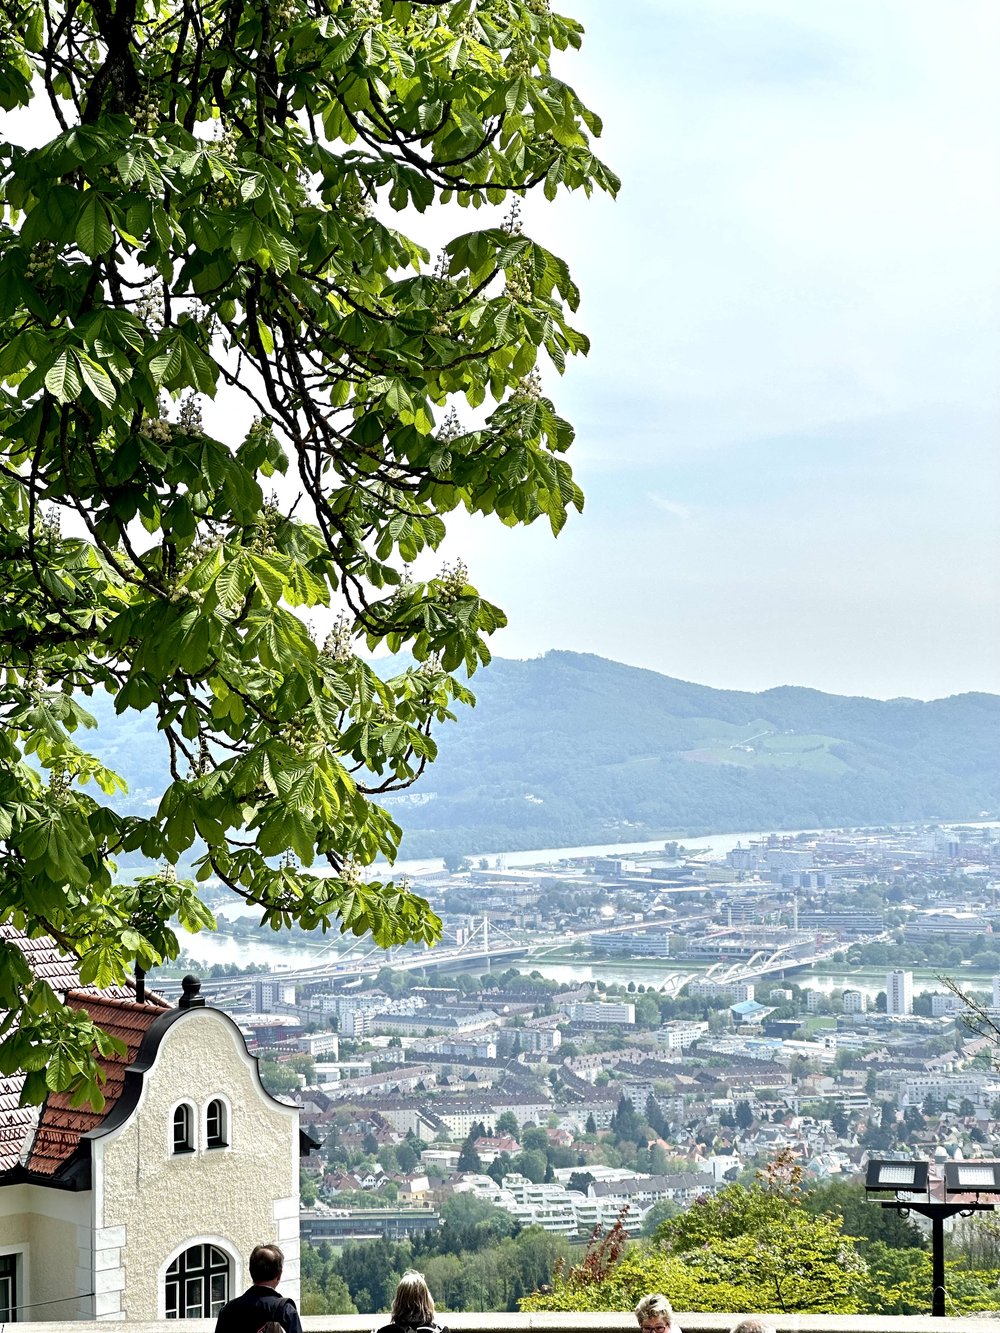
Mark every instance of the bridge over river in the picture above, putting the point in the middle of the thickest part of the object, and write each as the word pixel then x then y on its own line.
pixel 487 945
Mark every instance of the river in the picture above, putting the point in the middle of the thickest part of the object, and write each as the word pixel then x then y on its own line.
pixel 209 947
pixel 720 843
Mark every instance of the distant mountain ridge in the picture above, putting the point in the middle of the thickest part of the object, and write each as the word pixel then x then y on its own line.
pixel 571 749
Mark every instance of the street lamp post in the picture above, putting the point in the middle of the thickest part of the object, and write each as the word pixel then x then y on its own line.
pixel 907 1180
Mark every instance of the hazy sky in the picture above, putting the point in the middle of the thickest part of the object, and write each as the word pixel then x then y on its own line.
pixel 788 424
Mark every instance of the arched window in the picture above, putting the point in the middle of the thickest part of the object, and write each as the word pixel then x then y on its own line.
pixel 216 1124
pixel 183 1129
pixel 197 1283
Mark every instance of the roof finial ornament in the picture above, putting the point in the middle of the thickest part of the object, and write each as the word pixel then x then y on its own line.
pixel 191 997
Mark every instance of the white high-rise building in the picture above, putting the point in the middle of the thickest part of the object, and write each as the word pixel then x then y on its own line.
pixel 899 993
pixel 996 992
pixel 856 1002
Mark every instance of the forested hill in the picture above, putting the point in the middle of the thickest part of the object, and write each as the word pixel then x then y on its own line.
pixel 570 748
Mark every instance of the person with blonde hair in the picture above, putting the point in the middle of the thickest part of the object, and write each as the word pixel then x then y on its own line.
pixel 656 1315
pixel 413 1307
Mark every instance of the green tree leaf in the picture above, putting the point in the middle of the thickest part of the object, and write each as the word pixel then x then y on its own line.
pixel 63 377
pixel 162 285
pixel 97 380
pixel 93 228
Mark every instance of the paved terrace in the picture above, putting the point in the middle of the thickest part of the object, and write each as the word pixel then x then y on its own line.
pixel 565 1323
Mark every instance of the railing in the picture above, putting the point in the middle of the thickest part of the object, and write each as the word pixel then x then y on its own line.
pixel 568 1323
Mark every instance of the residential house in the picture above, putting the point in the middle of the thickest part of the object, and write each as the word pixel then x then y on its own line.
pixel 147 1208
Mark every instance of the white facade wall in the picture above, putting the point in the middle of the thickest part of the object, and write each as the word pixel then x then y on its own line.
pixel 150 1204
pixel 980 1088
pixel 321 1043
pixel 51 1234
pixel 268 994
pixel 408 1120
pixel 561 1211
pixel 677 1037
pixel 638 1092
pixel 461 1119
pixel 611 1013
pixel 356 1022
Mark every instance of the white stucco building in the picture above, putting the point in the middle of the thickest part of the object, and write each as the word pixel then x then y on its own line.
pixel 149 1208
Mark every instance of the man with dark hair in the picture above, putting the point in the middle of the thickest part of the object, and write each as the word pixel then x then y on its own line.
pixel 262 1303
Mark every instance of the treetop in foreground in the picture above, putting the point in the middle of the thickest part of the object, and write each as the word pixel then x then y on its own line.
pixel 213 214
pixel 762 1248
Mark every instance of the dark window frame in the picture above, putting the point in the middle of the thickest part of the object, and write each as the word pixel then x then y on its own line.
pixel 217 1134
pixel 199 1275
pixel 8 1288
pixel 182 1129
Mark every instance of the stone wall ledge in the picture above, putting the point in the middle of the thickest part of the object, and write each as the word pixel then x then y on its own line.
pixel 561 1323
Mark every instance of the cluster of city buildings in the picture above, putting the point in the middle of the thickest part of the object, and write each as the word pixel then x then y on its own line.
pixel 755 1027
pixel 776 1001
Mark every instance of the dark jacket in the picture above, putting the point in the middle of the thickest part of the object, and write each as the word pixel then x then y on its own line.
pixel 256 1307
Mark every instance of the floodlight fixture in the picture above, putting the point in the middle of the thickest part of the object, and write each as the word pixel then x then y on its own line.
pixel 905 1180
pixel 893 1177
pixel 972 1177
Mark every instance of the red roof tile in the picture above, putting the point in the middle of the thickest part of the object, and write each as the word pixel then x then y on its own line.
pixel 48 964
pixel 59 1126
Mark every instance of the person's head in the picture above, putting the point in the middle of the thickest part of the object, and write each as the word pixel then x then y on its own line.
pixel 266 1263
pixel 413 1303
pixel 752 1325
pixel 654 1313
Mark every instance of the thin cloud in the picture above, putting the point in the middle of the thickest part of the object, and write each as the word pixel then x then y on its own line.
pixel 678 511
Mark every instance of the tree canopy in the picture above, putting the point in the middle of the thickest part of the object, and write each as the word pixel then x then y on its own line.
pixel 212 211
pixel 768 1247
pixel 746 1248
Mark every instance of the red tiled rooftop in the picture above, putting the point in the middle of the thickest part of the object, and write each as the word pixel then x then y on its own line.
pixel 113 1008
pixel 48 964
pixel 61 1125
